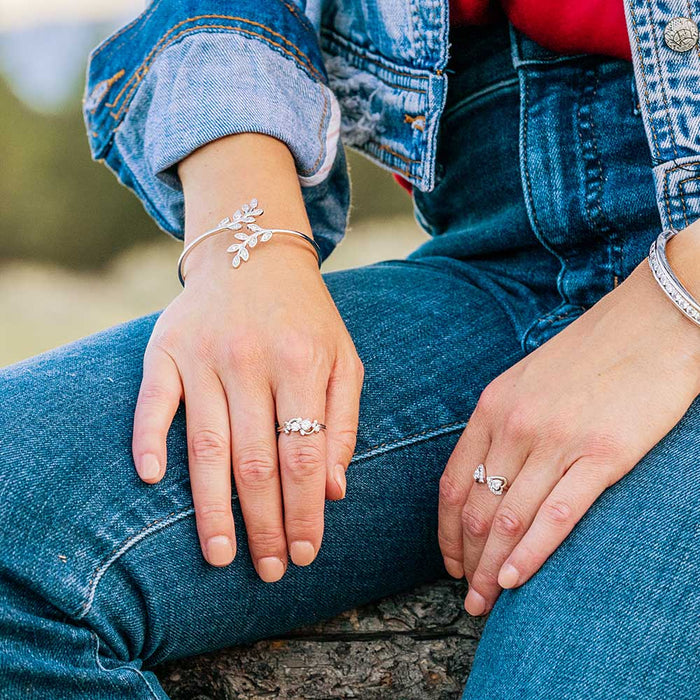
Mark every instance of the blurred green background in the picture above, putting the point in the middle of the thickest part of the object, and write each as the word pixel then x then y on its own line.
pixel 79 253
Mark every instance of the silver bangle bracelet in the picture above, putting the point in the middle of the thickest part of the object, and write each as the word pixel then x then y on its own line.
pixel 247 215
pixel 669 283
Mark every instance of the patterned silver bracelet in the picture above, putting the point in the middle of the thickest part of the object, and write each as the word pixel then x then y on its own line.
pixel 247 215
pixel 671 285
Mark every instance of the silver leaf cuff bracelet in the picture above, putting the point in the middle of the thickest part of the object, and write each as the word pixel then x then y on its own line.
pixel 255 234
pixel 671 285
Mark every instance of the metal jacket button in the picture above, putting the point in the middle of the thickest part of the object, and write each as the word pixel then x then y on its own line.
pixel 681 34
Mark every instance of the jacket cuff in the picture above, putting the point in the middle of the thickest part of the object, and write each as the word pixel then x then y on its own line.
pixel 193 79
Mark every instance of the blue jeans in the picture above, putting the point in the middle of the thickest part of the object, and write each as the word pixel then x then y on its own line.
pixel 544 203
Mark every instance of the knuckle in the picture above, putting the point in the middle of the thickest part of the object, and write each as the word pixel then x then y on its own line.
pixel 449 545
pixel 214 511
pixel 208 446
pixel 255 467
pixel 302 459
pixel 347 439
pixel 558 512
pixel 518 422
pixel 489 400
pixel 299 524
pixel 266 540
pixel 507 523
pixel 484 579
pixel 450 493
pixel 154 393
pixel 474 523
pixel 299 353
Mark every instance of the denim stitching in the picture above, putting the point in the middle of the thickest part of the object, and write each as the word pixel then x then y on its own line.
pixel 125 667
pixel 110 40
pixel 371 149
pixel 122 548
pixel 638 44
pixel 176 516
pixel 350 48
pixel 166 40
pixel 667 190
pixel 484 92
pixel 409 440
pixel 405 159
pixel 661 82
pixel 106 86
pixel 682 195
pixel 595 179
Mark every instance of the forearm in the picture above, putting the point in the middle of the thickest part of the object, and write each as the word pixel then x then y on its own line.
pixel 227 173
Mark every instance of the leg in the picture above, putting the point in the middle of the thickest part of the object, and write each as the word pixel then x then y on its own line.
pixel 102 574
pixel 615 612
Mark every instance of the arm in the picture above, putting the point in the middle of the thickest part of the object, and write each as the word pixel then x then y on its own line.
pixel 187 72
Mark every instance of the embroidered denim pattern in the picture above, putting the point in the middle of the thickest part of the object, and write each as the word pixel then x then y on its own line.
pixel 324 74
pixel 545 165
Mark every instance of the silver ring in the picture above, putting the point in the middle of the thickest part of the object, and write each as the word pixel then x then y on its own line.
pixel 497 485
pixel 303 426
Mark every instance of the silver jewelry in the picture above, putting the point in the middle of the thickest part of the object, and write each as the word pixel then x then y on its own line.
pixel 247 214
pixel 303 426
pixel 667 280
pixel 497 485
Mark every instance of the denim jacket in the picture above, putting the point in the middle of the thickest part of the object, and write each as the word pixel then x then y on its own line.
pixel 321 74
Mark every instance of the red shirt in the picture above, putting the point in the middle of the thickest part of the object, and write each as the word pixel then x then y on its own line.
pixel 564 26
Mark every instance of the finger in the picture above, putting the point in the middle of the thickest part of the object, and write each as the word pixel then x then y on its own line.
pixel 455 484
pixel 568 501
pixel 303 464
pixel 157 402
pixel 505 459
pixel 342 414
pixel 513 517
pixel 256 471
pixel 208 437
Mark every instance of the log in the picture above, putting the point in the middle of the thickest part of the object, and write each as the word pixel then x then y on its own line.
pixel 409 646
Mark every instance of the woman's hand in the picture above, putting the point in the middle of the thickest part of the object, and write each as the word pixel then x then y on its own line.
pixel 562 425
pixel 244 347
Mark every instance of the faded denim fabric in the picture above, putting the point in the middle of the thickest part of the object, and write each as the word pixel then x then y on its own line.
pixel 306 71
pixel 552 202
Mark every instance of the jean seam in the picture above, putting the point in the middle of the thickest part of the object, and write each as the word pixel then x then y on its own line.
pixel 124 547
pixel 176 516
pixel 124 667
pixel 424 435
pixel 167 40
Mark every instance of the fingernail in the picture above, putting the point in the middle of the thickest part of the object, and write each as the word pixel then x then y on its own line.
pixel 454 567
pixel 302 552
pixel 219 550
pixel 340 478
pixel 474 603
pixel 270 569
pixel 508 576
pixel 149 468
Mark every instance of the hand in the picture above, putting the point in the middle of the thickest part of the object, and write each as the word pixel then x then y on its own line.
pixel 244 347
pixel 562 425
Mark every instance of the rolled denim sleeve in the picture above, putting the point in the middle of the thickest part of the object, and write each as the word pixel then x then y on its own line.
pixel 186 72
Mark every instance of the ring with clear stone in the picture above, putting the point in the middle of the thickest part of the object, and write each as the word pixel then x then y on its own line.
pixel 303 426
pixel 667 280
pixel 497 485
